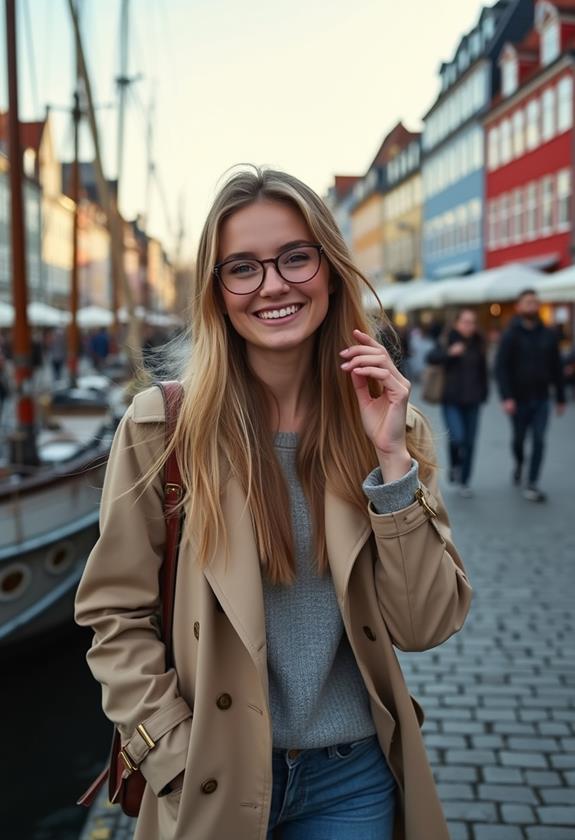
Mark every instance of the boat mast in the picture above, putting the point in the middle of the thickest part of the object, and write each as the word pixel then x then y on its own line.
pixel 23 441
pixel 73 337
pixel 115 221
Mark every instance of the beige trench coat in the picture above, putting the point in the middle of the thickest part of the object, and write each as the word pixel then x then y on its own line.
pixel 399 582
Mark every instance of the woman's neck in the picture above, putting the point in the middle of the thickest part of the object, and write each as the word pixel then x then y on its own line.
pixel 288 376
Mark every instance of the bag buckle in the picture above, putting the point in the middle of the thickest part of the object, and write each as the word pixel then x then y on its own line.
pixel 130 766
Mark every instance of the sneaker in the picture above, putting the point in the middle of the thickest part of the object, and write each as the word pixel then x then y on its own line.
pixel 516 477
pixel 533 494
pixel 465 492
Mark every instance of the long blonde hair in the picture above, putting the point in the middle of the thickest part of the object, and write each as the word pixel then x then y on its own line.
pixel 224 427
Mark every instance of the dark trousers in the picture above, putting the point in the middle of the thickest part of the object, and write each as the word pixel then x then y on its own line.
pixel 462 422
pixel 531 415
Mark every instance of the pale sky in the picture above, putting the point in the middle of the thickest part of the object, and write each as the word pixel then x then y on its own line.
pixel 309 87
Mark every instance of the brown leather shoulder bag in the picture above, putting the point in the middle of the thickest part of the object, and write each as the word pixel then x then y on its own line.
pixel 125 783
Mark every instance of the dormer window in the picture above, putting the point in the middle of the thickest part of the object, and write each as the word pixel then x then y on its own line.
pixel 510 78
pixel 488 28
pixel 29 163
pixel 550 41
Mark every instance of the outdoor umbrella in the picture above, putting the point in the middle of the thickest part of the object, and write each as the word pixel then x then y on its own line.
pixel 42 315
pixel 94 316
pixel 6 314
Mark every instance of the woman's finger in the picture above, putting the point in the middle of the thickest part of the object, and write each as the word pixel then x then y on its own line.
pixel 371 359
pixel 390 383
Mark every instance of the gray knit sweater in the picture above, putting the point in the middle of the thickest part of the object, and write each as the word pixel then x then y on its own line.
pixel 317 696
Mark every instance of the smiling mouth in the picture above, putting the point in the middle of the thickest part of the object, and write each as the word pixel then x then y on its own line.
pixel 278 314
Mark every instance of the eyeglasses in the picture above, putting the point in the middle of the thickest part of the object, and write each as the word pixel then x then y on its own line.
pixel 296 265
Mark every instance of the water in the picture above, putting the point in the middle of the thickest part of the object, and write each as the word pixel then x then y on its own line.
pixel 55 739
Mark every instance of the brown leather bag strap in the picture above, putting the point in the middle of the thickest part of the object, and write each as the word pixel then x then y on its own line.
pixel 172 393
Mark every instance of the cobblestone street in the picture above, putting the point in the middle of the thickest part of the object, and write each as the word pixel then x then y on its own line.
pixel 499 697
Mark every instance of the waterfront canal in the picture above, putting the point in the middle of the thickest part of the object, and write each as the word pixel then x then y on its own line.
pixel 55 734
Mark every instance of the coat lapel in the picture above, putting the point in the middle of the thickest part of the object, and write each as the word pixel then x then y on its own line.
pixel 347 529
pixel 235 577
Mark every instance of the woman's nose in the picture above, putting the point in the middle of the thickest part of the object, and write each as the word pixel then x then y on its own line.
pixel 273 281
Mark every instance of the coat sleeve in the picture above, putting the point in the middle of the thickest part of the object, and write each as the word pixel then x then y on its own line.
pixel 422 588
pixel 503 363
pixel 118 597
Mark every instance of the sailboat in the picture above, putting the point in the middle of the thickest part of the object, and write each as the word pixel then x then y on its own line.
pixel 50 489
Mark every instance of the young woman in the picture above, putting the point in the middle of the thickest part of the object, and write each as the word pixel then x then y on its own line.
pixel 466 384
pixel 315 541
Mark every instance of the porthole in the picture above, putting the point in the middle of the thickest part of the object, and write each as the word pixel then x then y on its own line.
pixel 60 558
pixel 14 581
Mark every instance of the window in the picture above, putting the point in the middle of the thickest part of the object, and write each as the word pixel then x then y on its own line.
pixel 517 219
pixel 563 199
pixel 533 124
pixel 477 149
pixel 474 215
pixel 493 148
pixel 505 142
pixel 461 227
pixel 450 231
pixel 548 126
pixel 550 42
pixel 531 211
pixel 492 224
pixel 546 205
pixel 510 76
pixel 518 133
pixel 503 220
pixel 565 104
pixel 488 27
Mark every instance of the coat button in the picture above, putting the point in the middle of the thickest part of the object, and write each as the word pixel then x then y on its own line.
pixel 209 786
pixel 224 702
pixel 369 633
pixel 197 629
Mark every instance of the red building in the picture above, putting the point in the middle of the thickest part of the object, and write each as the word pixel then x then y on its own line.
pixel 529 146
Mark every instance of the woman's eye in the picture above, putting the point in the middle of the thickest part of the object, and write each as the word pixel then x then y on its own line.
pixel 295 257
pixel 243 268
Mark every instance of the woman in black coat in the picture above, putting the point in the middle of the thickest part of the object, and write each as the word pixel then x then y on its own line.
pixel 464 358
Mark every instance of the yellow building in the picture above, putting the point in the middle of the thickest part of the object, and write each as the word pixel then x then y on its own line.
pixel 402 214
pixel 368 210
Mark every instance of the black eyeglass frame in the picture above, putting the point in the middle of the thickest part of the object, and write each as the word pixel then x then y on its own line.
pixel 275 260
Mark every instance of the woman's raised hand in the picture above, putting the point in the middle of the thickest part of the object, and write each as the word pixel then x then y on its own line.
pixel 384 416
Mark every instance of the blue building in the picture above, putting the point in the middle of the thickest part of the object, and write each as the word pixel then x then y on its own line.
pixel 453 142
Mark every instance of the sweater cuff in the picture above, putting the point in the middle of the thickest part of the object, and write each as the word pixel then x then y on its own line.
pixel 394 496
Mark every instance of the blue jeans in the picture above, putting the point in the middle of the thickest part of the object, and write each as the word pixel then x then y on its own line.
pixel 344 792
pixel 462 422
pixel 534 415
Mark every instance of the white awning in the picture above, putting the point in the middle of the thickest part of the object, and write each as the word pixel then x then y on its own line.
pixel 558 287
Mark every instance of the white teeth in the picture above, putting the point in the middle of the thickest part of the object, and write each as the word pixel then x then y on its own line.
pixel 279 313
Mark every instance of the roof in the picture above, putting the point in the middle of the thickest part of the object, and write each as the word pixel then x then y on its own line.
pixel 30 132
pixel 88 181
pixel 398 138
pixel 344 184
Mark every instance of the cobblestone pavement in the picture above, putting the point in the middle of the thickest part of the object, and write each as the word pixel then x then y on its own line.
pixel 500 696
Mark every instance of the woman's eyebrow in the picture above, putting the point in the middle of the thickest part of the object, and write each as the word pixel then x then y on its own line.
pixel 242 255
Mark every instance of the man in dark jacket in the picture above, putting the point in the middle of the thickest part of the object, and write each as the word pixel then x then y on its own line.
pixel 528 363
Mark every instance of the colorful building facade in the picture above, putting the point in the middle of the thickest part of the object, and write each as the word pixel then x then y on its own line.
pixel 529 146
pixel 402 213
pixel 453 144
pixel 367 207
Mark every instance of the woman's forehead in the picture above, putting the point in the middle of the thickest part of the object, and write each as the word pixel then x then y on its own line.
pixel 264 224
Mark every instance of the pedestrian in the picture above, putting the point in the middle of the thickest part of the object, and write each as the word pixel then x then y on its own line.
pixel 57 352
pixel 463 357
pixel 100 348
pixel 315 540
pixel 528 365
